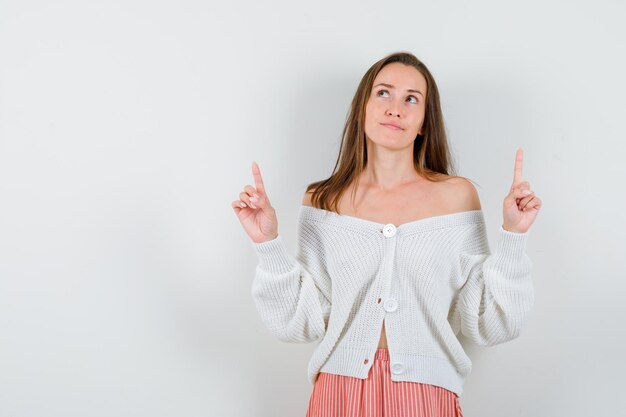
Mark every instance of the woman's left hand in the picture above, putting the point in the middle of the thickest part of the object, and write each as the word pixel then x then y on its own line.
pixel 521 205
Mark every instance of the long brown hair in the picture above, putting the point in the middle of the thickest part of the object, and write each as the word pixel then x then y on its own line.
pixel 431 154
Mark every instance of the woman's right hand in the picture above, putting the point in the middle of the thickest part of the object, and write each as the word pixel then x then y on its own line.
pixel 256 214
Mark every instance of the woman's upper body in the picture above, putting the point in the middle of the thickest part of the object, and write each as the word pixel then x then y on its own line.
pixel 391 237
pixel 428 279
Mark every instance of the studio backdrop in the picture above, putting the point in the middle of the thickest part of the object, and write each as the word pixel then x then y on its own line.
pixel 127 129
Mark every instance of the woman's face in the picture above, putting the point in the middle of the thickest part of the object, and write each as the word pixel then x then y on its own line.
pixel 397 98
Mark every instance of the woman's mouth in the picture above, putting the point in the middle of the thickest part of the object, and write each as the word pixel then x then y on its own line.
pixel 391 126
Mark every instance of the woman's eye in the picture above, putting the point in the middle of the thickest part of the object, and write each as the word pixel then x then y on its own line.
pixel 380 92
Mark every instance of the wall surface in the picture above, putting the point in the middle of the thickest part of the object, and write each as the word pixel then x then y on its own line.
pixel 127 128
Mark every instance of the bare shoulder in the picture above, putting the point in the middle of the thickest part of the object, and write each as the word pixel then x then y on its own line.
pixel 462 193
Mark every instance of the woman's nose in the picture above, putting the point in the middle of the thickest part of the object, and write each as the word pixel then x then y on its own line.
pixel 393 109
pixel 393 112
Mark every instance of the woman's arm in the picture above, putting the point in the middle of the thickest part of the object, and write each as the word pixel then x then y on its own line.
pixel 497 296
pixel 292 295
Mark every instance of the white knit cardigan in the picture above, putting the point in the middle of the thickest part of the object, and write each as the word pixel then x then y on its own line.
pixel 427 279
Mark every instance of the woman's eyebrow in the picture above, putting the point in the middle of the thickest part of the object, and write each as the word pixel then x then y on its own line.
pixel 391 86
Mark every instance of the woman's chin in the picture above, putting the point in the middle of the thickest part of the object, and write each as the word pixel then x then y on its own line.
pixel 393 143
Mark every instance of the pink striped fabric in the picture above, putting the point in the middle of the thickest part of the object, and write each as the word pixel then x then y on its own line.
pixel 379 396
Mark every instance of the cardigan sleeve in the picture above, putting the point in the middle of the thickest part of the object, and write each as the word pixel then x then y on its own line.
pixel 292 294
pixel 494 302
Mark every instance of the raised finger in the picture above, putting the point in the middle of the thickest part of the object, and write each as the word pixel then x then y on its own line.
pixel 258 180
pixel 517 172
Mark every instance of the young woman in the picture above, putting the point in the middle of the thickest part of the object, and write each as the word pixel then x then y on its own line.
pixel 393 259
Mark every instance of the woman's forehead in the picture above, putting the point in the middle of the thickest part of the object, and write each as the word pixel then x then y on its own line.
pixel 401 76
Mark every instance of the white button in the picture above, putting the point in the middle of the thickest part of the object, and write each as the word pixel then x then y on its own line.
pixel 397 368
pixel 390 304
pixel 389 230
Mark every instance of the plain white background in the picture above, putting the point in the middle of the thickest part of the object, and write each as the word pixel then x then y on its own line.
pixel 127 128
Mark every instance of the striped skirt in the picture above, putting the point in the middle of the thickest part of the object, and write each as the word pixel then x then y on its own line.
pixel 379 396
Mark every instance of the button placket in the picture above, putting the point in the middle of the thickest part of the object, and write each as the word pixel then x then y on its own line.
pixel 390 304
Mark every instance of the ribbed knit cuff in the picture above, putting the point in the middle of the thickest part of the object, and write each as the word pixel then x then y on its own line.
pixel 511 245
pixel 274 256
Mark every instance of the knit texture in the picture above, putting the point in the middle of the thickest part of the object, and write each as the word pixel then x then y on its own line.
pixel 427 279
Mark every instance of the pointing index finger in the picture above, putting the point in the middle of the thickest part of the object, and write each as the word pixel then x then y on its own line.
pixel 258 181
pixel 519 159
